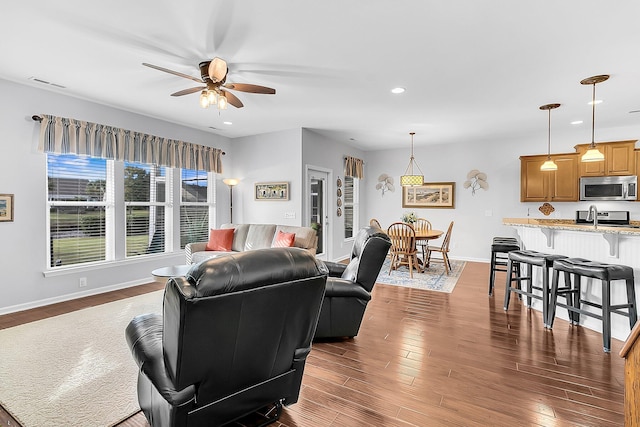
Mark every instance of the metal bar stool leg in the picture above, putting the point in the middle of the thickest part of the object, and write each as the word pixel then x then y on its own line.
pixel 631 300
pixel 606 315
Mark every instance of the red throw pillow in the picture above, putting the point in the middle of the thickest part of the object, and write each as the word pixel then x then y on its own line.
pixel 220 240
pixel 283 240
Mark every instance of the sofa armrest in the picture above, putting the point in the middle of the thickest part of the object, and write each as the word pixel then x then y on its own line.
pixel 144 337
pixel 335 268
pixel 190 248
pixel 341 288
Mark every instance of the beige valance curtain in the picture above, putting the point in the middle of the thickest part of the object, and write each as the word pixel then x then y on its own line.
pixel 69 136
pixel 353 167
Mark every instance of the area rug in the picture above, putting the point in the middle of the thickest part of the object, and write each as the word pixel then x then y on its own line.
pixel 74 369
pixel 433 279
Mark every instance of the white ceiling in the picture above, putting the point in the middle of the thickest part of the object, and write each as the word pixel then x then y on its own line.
pixel 473 70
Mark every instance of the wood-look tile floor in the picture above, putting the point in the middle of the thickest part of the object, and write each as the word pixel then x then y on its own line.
pixel 433 359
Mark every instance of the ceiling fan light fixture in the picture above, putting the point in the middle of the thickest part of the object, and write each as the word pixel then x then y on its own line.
pixel 411 179
pixel 213 97
pixel 222 102
pixel 204 99
pixel 593 154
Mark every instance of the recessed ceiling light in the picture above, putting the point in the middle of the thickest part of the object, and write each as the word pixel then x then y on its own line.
pixel 398 90
pixel 576 122
pixel 597 101
pixel 227 123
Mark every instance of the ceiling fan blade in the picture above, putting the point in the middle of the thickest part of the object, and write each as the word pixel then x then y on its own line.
pixel 244 87
pixel 217 69
pixel 233 100
pixel 175 73
pixel 188 91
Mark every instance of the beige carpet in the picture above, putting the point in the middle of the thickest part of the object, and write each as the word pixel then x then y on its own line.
pixel 74 369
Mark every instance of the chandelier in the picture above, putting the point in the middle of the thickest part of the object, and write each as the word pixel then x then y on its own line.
pixel 549 165
pixel 410 179
pixel 593 154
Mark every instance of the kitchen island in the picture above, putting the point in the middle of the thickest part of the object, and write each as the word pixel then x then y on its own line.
pixel 608 244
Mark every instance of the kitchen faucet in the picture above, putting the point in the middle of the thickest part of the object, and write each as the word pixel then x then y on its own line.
pixel 593 211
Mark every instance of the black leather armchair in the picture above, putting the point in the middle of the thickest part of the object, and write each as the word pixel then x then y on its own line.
pixel 233 338
pixel 349 286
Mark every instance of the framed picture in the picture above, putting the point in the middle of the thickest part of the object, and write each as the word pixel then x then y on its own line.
pixel 272 191
pixel 6 207
pixel 429 195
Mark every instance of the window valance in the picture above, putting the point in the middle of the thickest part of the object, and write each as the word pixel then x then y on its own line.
pixel 61 135
pixel 353 167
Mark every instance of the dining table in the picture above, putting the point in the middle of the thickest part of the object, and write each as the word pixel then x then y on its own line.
pixel 422 239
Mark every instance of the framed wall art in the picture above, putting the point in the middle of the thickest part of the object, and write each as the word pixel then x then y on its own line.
pixel 429 195
pixel 6 207
pixel 271 191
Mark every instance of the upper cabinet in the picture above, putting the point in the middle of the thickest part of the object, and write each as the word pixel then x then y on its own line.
pixel 619 159
pixel 549 186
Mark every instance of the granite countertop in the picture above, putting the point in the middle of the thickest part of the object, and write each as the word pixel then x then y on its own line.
pixel 570 224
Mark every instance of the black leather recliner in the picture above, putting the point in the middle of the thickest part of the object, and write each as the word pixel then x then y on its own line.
pixel 349 286
pixel 233 338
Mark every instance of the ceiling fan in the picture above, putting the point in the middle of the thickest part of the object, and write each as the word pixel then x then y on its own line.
pixel 215 90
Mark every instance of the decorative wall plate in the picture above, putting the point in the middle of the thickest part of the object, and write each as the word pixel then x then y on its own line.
pixel 339 182
pixel 339 202
pixel 339 212
pixel 339 192
pixel 546 208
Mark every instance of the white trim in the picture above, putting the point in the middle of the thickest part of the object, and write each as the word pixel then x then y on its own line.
pixel 80 268
pixel 73 296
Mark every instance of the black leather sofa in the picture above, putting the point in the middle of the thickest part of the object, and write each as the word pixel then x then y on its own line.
pixel 349 286
pixel 233 338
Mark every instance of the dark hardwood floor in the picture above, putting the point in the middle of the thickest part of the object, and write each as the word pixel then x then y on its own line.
pixel 433 359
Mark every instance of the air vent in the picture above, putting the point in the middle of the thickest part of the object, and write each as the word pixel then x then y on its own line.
pixel 44 82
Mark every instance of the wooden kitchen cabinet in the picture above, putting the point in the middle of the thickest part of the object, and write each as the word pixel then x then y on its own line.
pixel 619 159
pixel 549 186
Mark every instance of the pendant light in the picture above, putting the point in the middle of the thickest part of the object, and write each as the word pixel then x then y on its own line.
pixel 410 179
pixel 593 154
pixel 549 165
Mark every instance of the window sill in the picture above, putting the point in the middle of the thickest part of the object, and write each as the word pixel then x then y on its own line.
pixel 61 271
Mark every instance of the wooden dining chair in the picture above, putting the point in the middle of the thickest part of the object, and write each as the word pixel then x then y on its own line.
pixel 422 225
pixel 375 223
pixel 444 250
pixel 403 247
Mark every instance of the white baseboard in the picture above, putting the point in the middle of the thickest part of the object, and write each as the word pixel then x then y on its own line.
pixel 72 296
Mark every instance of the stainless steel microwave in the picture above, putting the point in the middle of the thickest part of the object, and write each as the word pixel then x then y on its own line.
pixel 609 188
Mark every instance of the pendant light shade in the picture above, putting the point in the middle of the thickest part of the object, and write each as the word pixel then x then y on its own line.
pixel 593 154
pixel 549 165
pixel 410 178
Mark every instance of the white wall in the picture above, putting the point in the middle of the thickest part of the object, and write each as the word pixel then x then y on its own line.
pixel 271 157
pixel 320 151
pixel 479 218
pixel 23 256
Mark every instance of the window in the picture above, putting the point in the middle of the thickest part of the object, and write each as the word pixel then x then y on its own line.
pixel 351 190
pixel 196 203
pixel 80 200
pixel 145 204
pixel 84 227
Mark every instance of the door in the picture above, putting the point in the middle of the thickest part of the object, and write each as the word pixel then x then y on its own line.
pixel 318 208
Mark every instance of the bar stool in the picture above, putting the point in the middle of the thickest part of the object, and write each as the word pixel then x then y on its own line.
pixel 530 259
pixel 500 247
pixel 606 273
